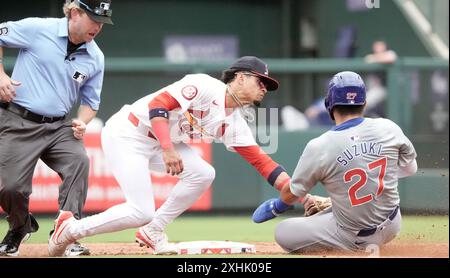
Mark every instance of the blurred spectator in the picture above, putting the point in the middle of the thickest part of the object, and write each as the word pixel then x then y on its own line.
pixel 293 119
pixel 439 96
pixel 376 82
pixel 345 46
pixel 381 54
pixel 317 114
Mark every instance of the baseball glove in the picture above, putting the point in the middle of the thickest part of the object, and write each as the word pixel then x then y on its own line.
pixel 315 204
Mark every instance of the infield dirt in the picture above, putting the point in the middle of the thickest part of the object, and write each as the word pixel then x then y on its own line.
pixel 397 248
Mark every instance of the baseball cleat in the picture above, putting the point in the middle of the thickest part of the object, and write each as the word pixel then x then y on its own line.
pixel 34 227
pixel 26 237
pixel 10 244
pixel 156 239
pixel 76 249
pixel 140 241
pixel 61 238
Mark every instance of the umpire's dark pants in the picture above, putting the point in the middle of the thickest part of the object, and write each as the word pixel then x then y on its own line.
pixel 22 143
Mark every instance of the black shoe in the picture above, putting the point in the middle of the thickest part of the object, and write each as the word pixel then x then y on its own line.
pixel 34 227
pixel 10 244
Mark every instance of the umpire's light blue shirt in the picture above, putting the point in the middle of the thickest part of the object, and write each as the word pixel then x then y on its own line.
pixel 51 83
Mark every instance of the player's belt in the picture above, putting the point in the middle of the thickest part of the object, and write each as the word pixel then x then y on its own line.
pixel 28 115
pixel 369 232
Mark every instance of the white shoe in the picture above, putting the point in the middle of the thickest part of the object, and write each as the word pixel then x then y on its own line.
pixel 61 237
pixel 156 239
pixel 76 249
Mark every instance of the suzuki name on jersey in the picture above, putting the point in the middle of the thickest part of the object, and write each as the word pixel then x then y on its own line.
pixel 357 150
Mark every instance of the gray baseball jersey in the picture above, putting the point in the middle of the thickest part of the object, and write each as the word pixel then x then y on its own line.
pixel 357 162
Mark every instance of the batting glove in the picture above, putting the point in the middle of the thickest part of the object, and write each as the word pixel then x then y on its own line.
pixel 270 209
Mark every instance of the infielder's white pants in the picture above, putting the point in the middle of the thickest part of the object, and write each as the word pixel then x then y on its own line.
pixel 131 155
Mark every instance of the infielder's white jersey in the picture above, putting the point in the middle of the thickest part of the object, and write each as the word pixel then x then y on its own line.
pixel 203 98
pixel 357 162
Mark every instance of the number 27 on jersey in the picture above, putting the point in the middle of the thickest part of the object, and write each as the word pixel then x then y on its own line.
pixel 361 180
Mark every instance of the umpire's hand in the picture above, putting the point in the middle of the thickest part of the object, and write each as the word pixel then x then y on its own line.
pixel 79 128
pixel 7 89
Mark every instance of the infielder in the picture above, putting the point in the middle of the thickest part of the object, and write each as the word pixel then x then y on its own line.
pixel 359 162
pixel 58 63
pixel 150 135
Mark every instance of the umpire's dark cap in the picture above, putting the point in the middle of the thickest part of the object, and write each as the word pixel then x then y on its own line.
pixel 98 10
pixel 257 67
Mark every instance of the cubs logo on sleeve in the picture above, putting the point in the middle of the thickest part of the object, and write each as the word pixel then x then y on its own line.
pixel 189 92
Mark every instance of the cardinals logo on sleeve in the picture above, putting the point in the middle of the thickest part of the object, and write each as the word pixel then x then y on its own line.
pixel 189 92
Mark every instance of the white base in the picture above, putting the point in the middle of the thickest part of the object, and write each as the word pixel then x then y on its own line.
pixel 214 247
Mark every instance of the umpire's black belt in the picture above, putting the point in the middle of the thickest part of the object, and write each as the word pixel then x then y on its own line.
pixel 369 232
pixel 28 115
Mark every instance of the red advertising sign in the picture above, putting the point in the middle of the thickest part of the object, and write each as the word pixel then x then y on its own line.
pixel 104 190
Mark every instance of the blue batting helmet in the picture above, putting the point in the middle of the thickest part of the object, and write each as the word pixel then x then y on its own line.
pixel 345 88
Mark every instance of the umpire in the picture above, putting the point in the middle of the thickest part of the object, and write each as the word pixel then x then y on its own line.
pixel 58 63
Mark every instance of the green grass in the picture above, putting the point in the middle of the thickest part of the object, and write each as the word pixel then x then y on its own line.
pixel 182 229
pixel 242 229
pixel 431 229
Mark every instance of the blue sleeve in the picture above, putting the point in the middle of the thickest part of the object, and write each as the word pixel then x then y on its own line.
pixel 18 34
pixel 91 90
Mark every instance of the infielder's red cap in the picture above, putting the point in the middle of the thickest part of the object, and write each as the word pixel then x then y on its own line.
pixel 97 10
pixel 259 68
